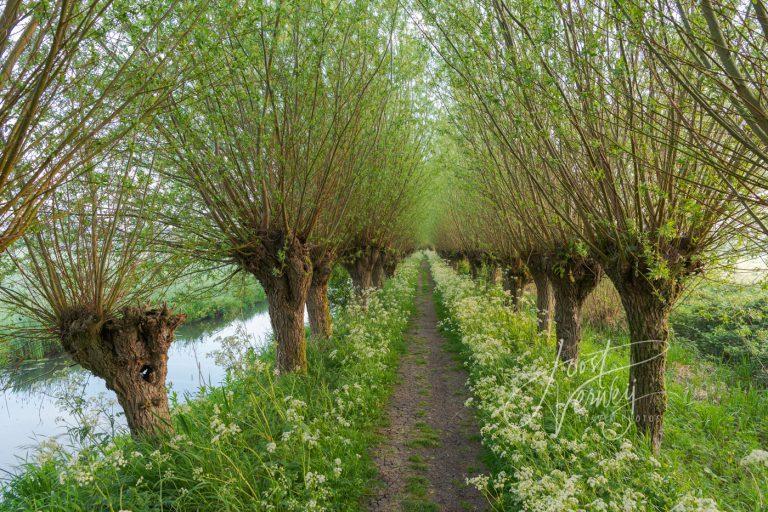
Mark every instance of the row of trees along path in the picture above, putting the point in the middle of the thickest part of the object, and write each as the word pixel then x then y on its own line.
pixel 430 444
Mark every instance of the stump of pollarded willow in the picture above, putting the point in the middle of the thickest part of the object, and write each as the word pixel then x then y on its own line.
pixel 130 352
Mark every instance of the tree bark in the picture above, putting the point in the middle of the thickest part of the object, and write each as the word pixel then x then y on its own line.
pixel 514 283
pixel 475 266
pixel 494 274
pixel 283 267
pixel 131 354
pixel 377 275
pixel 571 284
pixel 647 308
pixel 543 300
pixel 360 268
pixel 390 265
pixel 362 277
pixel 286 314
pixel 318 307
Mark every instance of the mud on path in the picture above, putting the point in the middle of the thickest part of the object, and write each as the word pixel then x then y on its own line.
pixel 430 444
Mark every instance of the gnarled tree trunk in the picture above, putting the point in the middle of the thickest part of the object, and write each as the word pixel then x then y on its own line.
pixel 475 265
pixel 377 275
pixel 318 307
pixel 283 267
pixel 494 274
pixel 571 283
pixel 360 267
pixel 647 307
pixel 287 298
pixel 131 354
pixel 390 265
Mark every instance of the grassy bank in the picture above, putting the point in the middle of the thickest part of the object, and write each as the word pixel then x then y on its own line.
pixel 204 297
pixel 564 440
pixel 201 297
pixel 260 442
pixel 727 322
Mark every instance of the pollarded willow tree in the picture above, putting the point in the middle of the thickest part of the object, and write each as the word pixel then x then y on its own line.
pixel 76 77
pixel 379 154
pixel 616 133
pixel 84 279
pixel 506 213
pixel 514 213
pixel 265 135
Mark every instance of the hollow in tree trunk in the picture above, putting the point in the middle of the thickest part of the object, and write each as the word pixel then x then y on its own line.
pixel 318 307
pixel 572 283
pixel 283 267
pixel 130 353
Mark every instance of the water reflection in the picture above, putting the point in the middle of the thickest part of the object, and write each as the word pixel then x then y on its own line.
pixel 30 410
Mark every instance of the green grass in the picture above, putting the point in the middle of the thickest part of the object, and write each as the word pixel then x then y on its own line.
pixel 417 493
pixel 424 436
pixel 728 322
pixel 258 442
pixel 581 453
pixel 203 297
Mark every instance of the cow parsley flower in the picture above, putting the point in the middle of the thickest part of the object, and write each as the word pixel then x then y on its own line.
pixel 756 458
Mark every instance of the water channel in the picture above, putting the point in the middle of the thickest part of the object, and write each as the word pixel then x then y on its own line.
pixel 35 399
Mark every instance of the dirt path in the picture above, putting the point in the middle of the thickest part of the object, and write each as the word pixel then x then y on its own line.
pixel 430 443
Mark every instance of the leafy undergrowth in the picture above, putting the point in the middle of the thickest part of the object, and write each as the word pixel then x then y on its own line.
pixel 729 322
pixel 259 442
pixel 563 440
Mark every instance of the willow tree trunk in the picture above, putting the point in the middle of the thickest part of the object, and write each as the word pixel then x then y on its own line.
pixel 647 309
pixel 318 307
pixel 362 276
pixel 131 354
pixel 286 302
pixel 361 267
pixel 377 275
pixel 474 268
pixel 571 286
pixel 514 284
pixel 494 275
pixel 390 265
pixel 284 269
pixel 543 300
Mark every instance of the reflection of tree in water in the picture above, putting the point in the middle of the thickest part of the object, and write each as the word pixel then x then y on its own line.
pixel 193 332
pixel 40 377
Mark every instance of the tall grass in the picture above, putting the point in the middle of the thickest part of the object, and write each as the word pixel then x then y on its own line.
pixel 261 441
